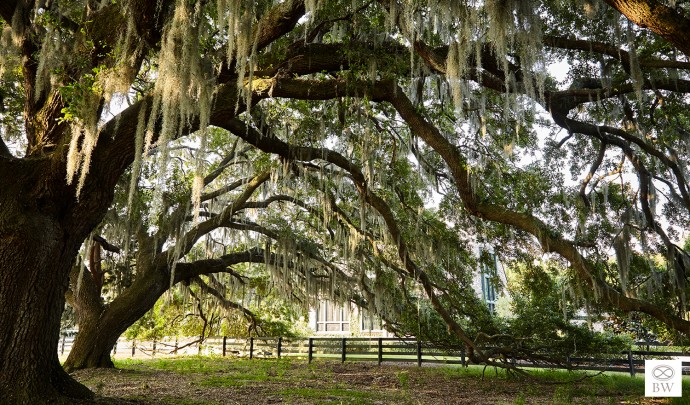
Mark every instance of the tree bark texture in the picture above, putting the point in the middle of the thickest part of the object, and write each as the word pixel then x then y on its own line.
pixel 36 255
pixel 659 18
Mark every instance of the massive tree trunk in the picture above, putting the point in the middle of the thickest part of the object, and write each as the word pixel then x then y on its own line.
pixel 32 285
pixel 36 255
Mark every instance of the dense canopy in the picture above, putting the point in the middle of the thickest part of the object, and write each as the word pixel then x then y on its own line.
pixel 360 150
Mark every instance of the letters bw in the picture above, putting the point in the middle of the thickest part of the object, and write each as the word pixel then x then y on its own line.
pixel 662 387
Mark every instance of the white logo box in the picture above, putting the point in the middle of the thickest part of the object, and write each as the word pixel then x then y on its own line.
pixel 663 378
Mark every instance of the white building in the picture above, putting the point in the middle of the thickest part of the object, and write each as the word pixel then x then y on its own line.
pixel 333 319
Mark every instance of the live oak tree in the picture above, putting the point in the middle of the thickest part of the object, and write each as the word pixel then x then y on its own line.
pixel 461 86
pixel 244 219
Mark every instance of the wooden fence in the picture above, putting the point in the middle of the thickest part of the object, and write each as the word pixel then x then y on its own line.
pixel 378 350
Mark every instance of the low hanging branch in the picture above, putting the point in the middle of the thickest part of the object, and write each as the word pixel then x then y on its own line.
pixel 557 102
pixel 550 240
pixel 269 143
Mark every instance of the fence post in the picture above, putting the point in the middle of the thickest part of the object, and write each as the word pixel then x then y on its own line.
pixel 280 346
pixel 419 353
pixel 251 347
pixel 153 353
pixel 310 351
pixel 177 345
pixel 631 363
pixel 62 349
pixel 380 351
pixel 462 357
pixel 225 345
pixel 115 348
pixel 343 350
pixel 134 346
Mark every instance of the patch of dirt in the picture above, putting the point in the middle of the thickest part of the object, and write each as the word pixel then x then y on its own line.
pixel 326 383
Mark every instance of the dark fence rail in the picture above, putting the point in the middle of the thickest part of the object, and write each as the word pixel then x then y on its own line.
pixel 378 350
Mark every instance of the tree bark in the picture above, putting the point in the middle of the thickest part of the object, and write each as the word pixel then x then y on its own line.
pixel 36 255
pixel 659 18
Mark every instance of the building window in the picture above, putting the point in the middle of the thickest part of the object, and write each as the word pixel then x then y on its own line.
pixel 488 289
pixel 332 317
pixel 370 322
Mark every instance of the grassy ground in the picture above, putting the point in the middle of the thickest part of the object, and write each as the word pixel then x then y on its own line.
pixel 212 380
